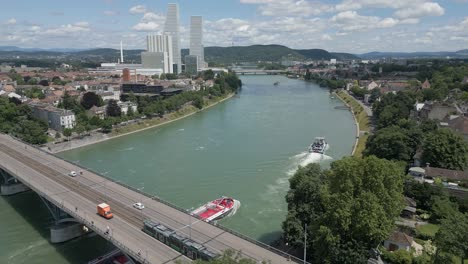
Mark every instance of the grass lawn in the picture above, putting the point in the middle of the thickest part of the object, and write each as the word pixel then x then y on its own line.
pixel 361 146
pixel 362 119
pixel 428 229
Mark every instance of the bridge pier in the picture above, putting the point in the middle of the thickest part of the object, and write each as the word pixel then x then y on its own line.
pixel 66 227
pixel 10 185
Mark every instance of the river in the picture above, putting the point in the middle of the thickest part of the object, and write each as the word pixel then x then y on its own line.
pixel 246 147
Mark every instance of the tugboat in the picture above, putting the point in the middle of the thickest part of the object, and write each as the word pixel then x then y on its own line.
pixel 217 209
pixel 320 145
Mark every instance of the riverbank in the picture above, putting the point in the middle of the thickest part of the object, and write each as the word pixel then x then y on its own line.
pixel 141 125
pixel 361 120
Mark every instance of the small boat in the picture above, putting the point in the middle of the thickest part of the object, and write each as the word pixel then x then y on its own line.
pixel 217 209
pixel 276 83
pixel 320 145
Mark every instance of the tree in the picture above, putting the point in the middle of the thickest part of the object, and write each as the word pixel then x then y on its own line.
pixel 348 209
pixel 132 98
pixel 130 112
pixel 106 125
pixel 80 129
pixel 208 75
pixel 452 236
pixel 442 208
pixel 304 204
pixel 44 83
pixel 113 109
pixel 390 143
pixel 31 131
pixel 91 99
pixel 67 132
pixel 171 76
pixel 57 135
pixel 359 92
pixel 444 148
pixel 198 102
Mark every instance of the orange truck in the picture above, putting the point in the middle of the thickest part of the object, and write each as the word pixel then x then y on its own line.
pixel 104 210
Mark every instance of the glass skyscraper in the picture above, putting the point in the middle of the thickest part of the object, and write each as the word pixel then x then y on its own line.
pixel 172 28
pixel 196 39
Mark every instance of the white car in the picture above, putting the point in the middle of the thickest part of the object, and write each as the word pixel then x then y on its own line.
pixel 138 206
pixel 73 173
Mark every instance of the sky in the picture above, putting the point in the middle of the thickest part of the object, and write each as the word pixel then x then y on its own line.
pixel 355 26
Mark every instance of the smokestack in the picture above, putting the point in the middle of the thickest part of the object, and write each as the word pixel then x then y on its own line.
pixel 121 52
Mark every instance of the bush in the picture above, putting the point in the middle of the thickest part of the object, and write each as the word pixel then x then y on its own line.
pixel 397 257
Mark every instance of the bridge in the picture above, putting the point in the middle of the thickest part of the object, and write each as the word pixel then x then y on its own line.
pixel 72 201
pixel 258 72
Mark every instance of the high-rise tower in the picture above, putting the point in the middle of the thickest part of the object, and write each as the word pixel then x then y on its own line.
pixel 172 28
pixel 196 38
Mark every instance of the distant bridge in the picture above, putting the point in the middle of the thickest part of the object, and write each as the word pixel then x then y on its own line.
pixel 74 199
pixel 258 72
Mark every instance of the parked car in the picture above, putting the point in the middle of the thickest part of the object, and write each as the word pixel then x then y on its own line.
pixel 138 206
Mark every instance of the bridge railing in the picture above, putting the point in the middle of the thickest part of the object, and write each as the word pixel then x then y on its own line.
pixel 156 198
pixel 137 256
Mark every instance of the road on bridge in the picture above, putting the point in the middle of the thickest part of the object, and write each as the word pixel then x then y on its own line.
pixel 48 175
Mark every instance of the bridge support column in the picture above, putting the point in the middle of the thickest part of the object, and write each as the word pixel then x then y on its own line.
pixel 63 232
pixel 10 185
pixel 66 227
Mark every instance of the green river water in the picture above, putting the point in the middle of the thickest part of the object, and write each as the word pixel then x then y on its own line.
pixel 246 147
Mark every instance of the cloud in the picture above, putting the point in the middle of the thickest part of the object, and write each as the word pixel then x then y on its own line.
pixel 138 9
pixel 11 21
pixel 352 21
pixel 425 9
pixel 326 37
pixel 64 30
pixel 290 7
pixel 150 22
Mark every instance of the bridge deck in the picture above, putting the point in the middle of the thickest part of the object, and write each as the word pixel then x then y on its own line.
pixel 48 175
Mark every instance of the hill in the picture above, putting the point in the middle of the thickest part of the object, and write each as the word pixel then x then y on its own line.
pixel 219 55
pixel 411 55
pixel 255 53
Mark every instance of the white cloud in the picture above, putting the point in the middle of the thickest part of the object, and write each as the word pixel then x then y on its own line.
pixel 326 37
pixel 150 22
pixel 64 30
pixel 138 9
pixel 352 21
pixel 425 9
pixel 147 26
pixel 290 7
pixel 11 21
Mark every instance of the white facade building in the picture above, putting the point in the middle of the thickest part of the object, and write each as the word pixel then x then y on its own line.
pixel 56 118
pixel 160 44
pixel 172 28
pixel 196 39
pixel 124 106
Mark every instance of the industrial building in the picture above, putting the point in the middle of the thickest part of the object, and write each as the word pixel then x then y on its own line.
pixel 159 53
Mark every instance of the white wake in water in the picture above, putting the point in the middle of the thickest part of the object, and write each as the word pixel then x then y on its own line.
pixel 236 206
pixel 305 158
